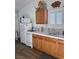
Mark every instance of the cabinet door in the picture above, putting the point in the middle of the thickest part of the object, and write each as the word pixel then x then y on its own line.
pixel 52 46
pixel 38 17
pixel 46 17
pixel 45 45
pixel 35 41
pixel 41 16
pixel 60 49
pixel 40 38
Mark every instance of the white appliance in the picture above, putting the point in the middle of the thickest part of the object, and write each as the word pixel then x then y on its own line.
pixel 29 39
pixel 22 32
pixel 25 36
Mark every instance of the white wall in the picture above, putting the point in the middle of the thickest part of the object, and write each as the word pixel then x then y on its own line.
pixel 30 8
pixel 28 11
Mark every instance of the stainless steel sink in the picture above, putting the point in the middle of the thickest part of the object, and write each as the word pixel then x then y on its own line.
pixel 57 35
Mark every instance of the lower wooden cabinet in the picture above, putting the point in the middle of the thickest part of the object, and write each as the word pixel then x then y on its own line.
pixel 60 49
pixel 51 46
pixel 39 42
pixel 45 45
pixel 35 42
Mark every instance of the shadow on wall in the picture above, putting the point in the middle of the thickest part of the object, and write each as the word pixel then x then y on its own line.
pixel 16 35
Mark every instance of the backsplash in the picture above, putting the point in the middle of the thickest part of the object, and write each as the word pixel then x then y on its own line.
pixel 48 28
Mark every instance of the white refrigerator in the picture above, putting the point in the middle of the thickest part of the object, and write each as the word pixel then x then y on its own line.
pixel 25 36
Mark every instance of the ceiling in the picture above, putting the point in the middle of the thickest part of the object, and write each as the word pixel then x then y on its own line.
pixel 19 4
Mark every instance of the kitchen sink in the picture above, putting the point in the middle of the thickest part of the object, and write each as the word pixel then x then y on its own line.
pixel 57 35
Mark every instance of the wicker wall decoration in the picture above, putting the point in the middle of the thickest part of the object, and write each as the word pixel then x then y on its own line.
pixel 56 4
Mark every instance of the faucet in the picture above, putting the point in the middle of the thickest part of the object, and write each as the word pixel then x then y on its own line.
pixel 62 32
pixel 42 29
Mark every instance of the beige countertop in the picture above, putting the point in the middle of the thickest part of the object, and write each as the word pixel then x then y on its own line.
pixel 47 35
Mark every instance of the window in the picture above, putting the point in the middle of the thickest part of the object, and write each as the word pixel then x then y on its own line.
pixel 51 18
pixel 59 18
pixel 55 18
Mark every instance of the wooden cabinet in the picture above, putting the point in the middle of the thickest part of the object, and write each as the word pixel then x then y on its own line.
pixel 41 16
pixel 45 45
pixel 60 49
pixel 51 46
pixel 35 41
pixel 40 38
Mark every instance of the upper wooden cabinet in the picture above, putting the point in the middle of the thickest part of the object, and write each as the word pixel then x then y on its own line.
pixel 41 16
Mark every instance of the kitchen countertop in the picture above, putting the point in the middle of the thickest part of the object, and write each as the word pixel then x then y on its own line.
pixel 51 36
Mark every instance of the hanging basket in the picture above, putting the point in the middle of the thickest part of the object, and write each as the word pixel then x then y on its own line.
pixel 56 4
